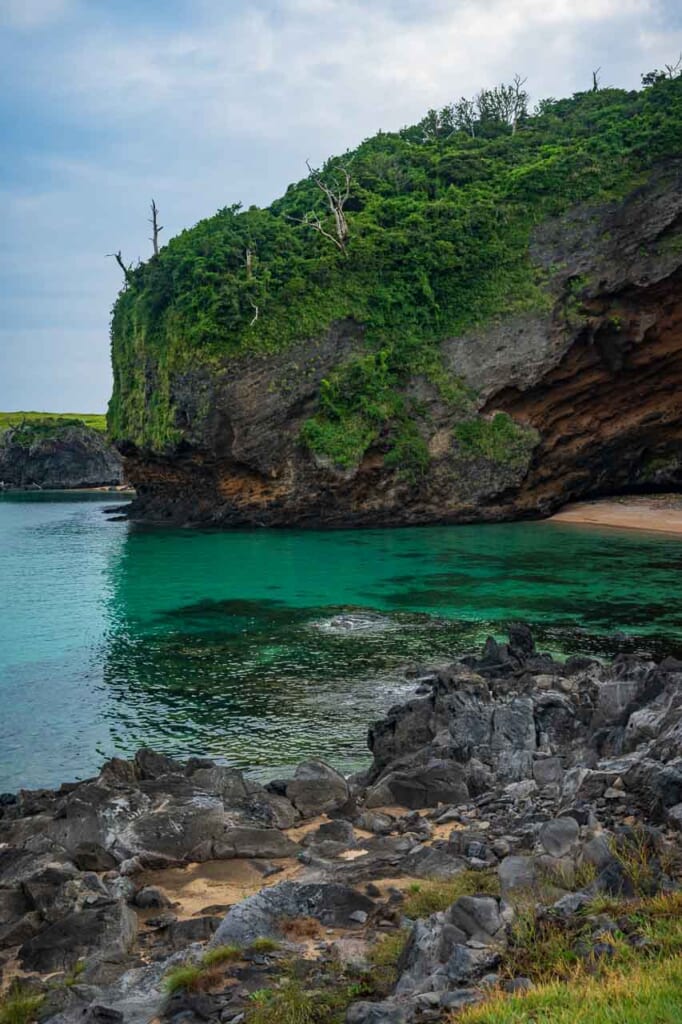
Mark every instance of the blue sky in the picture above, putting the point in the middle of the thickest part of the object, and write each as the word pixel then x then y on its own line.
pixel 202 103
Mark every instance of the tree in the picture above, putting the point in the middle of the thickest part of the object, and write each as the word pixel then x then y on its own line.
pixel 156 229
pixel 337 195
pixel 127 268
pixel 504 105
pixel 464 116
pixel 669 71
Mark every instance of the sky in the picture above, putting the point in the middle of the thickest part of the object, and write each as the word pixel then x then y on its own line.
pixel 105 104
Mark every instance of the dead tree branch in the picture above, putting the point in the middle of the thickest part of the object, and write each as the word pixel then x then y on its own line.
pixel 596 80
pixel 337 195
pixel 126 268
pixel 311 220
pixel 156 227
pixel 256 311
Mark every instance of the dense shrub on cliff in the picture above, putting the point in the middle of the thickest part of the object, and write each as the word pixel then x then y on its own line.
pixel 438 242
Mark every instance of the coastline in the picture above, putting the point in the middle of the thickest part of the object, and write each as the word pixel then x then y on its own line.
pixel 159 887
pixel 659 513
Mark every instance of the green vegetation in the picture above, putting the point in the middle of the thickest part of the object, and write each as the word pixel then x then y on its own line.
pixel 264 945
pixel 430 897
pixel 221 955
pixel 439 218
pixel 290 1003
pixel 49 420
pixel 643 994
pixel 571 977
pixel 19 1006
pixel 184 977
pixel 499 439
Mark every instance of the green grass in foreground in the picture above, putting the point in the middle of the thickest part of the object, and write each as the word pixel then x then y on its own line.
pixel 646 994
pixel 96 420
pixel 19 1007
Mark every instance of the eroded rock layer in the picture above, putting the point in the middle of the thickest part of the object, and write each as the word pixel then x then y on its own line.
pixel 591 384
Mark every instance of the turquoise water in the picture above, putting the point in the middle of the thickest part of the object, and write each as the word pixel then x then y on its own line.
pixel 262 647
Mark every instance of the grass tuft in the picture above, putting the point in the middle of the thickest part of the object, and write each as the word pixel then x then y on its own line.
pixel 639 995
pixel 288 1004
pixel 264 945
pixel 185 977
pixel 430 897
pixel 20 1007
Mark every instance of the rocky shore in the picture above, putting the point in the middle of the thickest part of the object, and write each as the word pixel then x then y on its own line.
pixel 57 454
pixel 516 804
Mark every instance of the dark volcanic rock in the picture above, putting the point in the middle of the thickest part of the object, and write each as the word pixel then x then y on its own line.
pixel 263 915
pixel 566 376
pixel 107 931
pixel 66 455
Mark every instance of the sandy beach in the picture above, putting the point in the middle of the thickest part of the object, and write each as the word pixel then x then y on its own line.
pixel 661 513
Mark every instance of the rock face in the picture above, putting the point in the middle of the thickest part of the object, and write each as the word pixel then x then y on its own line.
pixel 590 384
pixel 56 456
pixel 558 781
pixel 519 724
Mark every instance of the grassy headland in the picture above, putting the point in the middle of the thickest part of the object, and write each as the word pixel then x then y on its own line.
pixel 439 220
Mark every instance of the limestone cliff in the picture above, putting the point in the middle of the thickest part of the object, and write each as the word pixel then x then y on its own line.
pixel 56 454
pixel 547 371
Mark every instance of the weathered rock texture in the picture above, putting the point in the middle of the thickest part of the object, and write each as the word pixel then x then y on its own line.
pixel 596 377
pixel 563 780
pixel 57 458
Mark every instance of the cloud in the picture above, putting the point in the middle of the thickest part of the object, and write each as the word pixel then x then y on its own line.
pixel 202 103
pixel 33 14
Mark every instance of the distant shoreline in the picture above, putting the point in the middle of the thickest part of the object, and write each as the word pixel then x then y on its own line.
pixel 657 513
pixel 121 491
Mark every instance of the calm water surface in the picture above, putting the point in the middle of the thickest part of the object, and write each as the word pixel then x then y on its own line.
pixel 261 647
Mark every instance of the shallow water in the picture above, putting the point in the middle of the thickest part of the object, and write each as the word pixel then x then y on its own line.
pixel 262 647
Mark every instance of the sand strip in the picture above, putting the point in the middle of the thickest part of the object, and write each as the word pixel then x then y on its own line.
pixel 659 513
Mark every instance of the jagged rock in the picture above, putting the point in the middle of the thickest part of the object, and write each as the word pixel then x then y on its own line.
pixel 106 931
pixel 559 836
pixel 517 872
pixel 481 918
pixel 263 914
pixel 253 842
pixel 423 786
pixel 429 862
pixel 386 1012
pixel 437 957
pixel 317 788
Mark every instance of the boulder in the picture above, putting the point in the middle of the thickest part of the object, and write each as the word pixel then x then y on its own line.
pixel 559 836
pixel 317 788
pixel 425 785
pixel 517 872
pixel 482 918
pixel 105 932
pixel 253 842
pixel 262 915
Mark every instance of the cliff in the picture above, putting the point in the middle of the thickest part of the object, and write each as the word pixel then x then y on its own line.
pixel 56 453
pixel 500 333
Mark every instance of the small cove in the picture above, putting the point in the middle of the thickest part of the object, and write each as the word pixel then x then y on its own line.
pixel 263 647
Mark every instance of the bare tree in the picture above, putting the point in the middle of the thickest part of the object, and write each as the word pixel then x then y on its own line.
pixel 127 268
pixel 505 104
pixel 156 228
pixel 674 70
pixel 337 195
pixel 248 262
pixel 596 80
